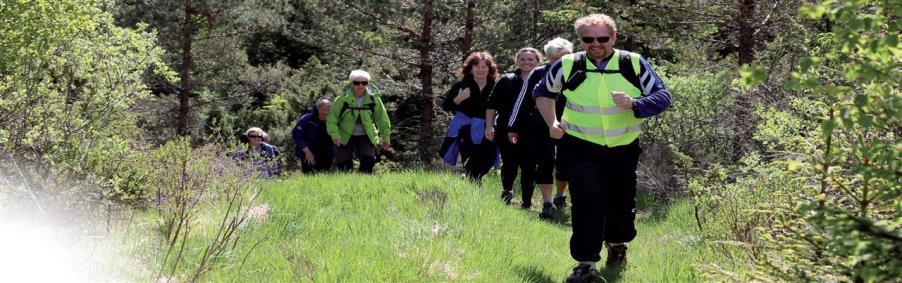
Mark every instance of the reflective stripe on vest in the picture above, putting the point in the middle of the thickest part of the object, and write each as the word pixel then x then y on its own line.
pixel 591 114
pixel 592 109
pixel 594 131
pixel 583 108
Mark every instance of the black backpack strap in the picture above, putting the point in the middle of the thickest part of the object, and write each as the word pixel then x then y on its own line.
pixel 344 109
pixel 627 71
pixel 581 65
pixel 577 72
pixel 368 106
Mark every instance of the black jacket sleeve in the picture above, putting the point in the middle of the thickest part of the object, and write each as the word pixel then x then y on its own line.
pixel 525 102
pixel 448 98
pixel 501 90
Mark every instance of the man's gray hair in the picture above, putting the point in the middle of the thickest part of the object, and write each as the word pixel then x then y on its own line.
pixel 359 74
pixel 595 19
pixel 558 47
pixel 322 100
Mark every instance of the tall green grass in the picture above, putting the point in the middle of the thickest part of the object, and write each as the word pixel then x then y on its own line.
pixel 430 227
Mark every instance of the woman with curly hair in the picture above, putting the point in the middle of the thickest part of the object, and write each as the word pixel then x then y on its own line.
pixel 467 99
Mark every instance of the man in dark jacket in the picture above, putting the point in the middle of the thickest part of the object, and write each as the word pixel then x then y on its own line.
pixel 313 146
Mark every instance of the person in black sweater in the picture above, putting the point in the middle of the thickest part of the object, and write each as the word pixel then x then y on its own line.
pixel 514 154
pixel 526 125
pixel 467 99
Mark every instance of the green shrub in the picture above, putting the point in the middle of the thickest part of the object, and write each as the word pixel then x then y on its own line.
pixel 691 134
pixel 68 77
pixel 835 209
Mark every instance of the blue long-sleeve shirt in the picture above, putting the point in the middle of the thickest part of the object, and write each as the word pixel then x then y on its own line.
pixel 655 96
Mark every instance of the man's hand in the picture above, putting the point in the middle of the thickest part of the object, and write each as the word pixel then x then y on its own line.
pixel 622 100
pixel 308 157
pixel 557 130
pixel 490 133
pixel 337 142
pixel 513 137
pixel 386 145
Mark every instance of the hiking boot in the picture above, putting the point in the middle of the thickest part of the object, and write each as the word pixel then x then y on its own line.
pixel 560 202
pixel 526 205
pixel 584 273
pixel 547 211
pixel 506 197
pixel 616 255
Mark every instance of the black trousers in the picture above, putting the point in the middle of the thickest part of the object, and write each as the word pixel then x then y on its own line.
pixel 542 149
pixel 517 157
pixel 323 161
pixel 480 160
pixel 561 164
pixel 360 146
pixel 603 192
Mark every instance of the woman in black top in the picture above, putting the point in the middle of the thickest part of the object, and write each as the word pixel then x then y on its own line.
pixel 514 154
pixel 467 99
pixel 527 124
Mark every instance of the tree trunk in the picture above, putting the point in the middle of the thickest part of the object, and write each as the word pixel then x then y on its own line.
pixel 427 151
pixel 536 16
pixel 185 68
pixel 468 28
pixel 746 31
pixel 746 56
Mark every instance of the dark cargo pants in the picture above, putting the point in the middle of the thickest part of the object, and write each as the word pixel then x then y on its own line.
pixel 603 192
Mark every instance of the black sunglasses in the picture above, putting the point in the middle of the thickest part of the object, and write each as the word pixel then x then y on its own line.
pixel 255 137
pixel 361 83
pixel 600 39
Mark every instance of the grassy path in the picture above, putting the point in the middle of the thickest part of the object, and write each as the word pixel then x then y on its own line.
pixel 429 227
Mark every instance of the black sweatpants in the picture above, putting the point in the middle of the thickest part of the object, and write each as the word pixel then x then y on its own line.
pixel 542 149
pixel 363 148
pixel 516 157
pixel 480 160
pixel 323 160
pixel 603 192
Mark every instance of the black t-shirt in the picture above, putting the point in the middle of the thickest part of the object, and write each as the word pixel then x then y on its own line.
pixel 474 106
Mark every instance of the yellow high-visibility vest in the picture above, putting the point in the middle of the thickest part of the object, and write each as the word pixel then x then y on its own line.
pixel 590 113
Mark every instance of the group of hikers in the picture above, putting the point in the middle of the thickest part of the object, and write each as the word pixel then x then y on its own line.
pixel 573 120
pixel 335 130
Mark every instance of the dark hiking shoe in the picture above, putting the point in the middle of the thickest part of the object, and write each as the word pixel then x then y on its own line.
pixel 506 197
pixel 526 205
pixel 616 255
pixel 560 202
pixel 584 273
pixel 547 211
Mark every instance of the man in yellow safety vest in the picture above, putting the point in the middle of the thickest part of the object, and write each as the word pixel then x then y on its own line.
pixel 608 93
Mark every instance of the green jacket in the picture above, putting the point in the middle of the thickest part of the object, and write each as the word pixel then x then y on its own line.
pixel 372 115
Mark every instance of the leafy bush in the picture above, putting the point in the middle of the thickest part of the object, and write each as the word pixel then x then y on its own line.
pixel 697 122
pixel 691 134
pixel 68 77
pixel 835 210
